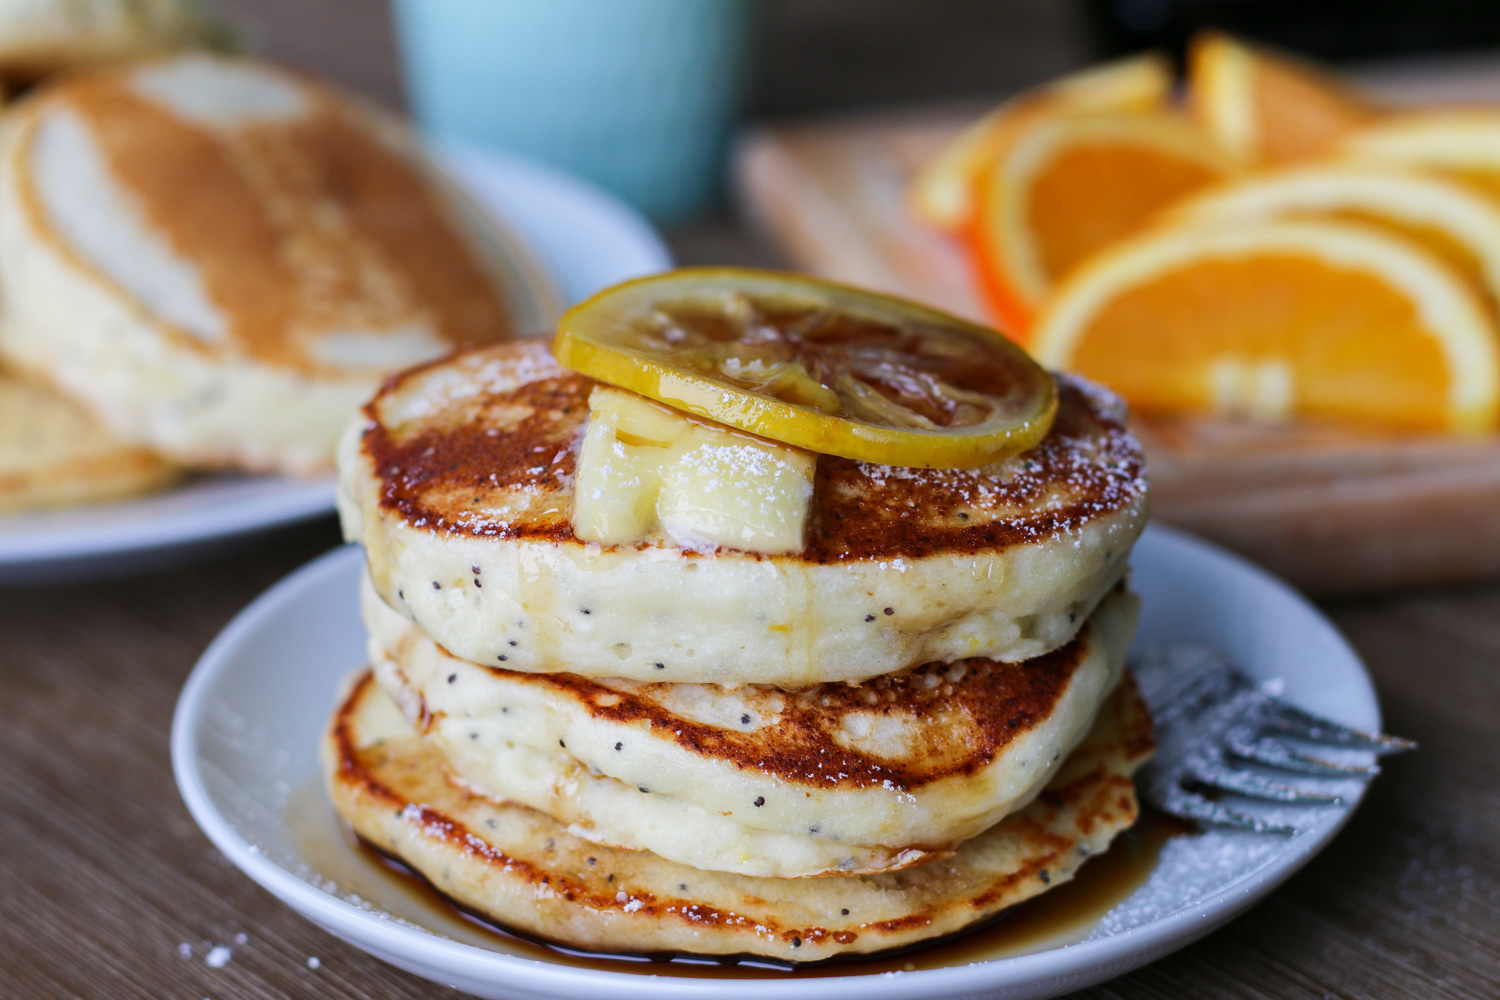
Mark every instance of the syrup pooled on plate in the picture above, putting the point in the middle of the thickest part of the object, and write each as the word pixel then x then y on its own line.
pixel 1064 915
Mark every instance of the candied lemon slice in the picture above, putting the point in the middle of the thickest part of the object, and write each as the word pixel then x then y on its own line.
pixel 813 364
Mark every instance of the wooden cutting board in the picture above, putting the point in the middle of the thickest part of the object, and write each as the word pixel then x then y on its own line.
pixel 1331 510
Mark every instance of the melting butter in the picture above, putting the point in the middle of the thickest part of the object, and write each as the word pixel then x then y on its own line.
pixel 645 468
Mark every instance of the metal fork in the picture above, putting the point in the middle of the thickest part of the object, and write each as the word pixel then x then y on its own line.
pixel 1219 732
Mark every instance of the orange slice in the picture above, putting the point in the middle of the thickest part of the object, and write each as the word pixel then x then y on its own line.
pixel 1070 187
pixel 1264 107
pixel 942 193
pixel 1279 318
pixel 813 364
pixel 1459 143
pixel 1450 219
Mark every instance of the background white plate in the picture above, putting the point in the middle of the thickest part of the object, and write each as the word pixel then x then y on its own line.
pixel 244 748
pixel 584 239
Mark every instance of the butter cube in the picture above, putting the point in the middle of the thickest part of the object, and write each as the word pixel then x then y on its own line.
pixel 644 467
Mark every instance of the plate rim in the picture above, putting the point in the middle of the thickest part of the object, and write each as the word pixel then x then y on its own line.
pixel 1084 963
pixel 301 500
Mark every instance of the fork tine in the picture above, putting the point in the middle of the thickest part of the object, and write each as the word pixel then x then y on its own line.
pixel 1215 725
pixel 1190 806
pixel 1171 696
pixel 1274 753
pixel 1292 721
pixel 1257 787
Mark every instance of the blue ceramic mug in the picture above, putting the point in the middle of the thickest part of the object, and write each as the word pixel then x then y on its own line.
pixel 637 95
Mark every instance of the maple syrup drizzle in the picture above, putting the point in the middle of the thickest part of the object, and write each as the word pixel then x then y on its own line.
pixel 1060 916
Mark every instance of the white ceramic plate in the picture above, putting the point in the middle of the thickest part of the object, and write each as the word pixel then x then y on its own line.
pixel 583 239
pixel 244 746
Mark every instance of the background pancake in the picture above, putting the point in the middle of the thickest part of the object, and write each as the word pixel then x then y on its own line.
pixel 835 779
pixel 53 453
pixel 525 870
pixel 40 37
pixel 458 481
pixel 221 259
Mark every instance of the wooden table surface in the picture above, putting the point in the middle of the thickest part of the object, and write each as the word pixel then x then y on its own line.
pixel 103 874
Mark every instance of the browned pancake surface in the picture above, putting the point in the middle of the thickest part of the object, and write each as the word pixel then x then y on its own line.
pixel 297 225
pixel 499 463
pixel 955 719
pixel 523 869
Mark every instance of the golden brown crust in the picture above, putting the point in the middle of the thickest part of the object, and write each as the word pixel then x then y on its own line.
pixel 38 40
pixel 498 448
pixel 53 454
pixel 977 708
pixel 523 869
pixel 295 226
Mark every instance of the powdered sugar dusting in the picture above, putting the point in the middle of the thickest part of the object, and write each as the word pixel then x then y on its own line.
pixel 485 445
pixel 1088 470
pixel 1193 869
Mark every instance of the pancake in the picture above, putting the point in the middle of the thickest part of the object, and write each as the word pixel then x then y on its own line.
pixel 838 779
pixel 523 869
pixel 40 37
pixel 458 480
pixel 52 453
pixel 222 260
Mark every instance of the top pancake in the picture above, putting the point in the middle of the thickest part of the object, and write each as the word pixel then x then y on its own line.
pixel 223 259
pixel 458 476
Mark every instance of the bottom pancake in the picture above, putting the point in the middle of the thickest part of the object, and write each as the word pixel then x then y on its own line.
pixel 52 453
pixel 523 869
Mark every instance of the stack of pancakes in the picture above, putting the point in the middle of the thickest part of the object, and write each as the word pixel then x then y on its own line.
pixel 209 263
pixel 915 722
